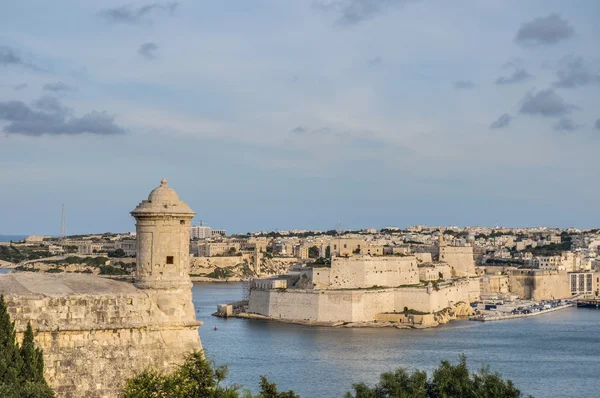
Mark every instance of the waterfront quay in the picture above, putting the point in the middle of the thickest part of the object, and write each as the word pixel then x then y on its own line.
pixel 588 302
pixel 517 309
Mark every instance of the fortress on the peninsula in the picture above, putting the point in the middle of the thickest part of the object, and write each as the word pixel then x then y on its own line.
pixel 370 288
pixel 96 332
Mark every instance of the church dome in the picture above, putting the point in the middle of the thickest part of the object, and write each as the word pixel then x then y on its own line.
pixel 163 193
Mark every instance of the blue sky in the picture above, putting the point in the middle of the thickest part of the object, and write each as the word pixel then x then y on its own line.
pixel 273 114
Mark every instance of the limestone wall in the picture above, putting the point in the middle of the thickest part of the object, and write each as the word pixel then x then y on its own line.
pixel 358 305
pixel 495 284
pixel 460 259
pixel 96 333
pixel 360 272
pixel 540 285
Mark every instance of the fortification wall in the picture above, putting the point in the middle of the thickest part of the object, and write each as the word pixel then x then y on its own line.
pixel 460 259
pixel 93 343
pixel 540 285
pixel 495 284
pixel 356 305
pixel 361 272
pixel 296 305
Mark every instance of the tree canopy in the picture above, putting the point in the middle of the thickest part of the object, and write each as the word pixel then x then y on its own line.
pixel 447 381
pixel 21 368
pixel 196 378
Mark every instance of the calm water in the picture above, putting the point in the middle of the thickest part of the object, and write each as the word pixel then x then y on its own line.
pixel 4 271
pixel 553 355
pixel 14 238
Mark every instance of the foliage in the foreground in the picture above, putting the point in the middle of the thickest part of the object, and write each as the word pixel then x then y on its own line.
pixel 21 368
pixel 196 378
pixel 448 381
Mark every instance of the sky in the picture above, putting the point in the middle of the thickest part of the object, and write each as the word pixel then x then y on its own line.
pixel 299 114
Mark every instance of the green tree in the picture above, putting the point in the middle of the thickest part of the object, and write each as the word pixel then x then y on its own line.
pixel 196 378
pixel 21 369
pixel 269 390
pixel 447 381
pixel 313 252
pixel 11 362
pixel 33 359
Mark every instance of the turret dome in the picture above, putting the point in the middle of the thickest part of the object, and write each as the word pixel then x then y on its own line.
pixel 163 193
pixel 163 200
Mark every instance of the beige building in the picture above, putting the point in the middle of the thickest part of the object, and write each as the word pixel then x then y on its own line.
pixel 212 249
pixel 345 247
pixel 460 258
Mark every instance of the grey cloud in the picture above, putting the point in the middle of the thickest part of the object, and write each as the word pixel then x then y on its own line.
pixel 352 12
pixel 9 57
pixel 57 87
pixel 545 103
pixel 299 130
pixel 132 15
pixel 375 61
pixel 464 84
pixel 51 105
pixel 148 50
pixel 598 124
pixel 20 86
pixel 48 116
pixel 544 31
pixel 574 72
pixel 518 75
pixel 565 124
pixel 503 121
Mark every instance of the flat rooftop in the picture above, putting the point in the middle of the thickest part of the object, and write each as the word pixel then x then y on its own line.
pixel 64 284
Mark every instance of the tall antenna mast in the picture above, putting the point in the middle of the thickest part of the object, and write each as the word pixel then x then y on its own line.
pixel 63 224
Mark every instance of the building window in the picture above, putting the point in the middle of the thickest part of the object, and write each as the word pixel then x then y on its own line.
pixel 169 259
pixel 182 222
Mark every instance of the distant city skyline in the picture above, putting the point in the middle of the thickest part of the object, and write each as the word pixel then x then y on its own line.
pixel 296 115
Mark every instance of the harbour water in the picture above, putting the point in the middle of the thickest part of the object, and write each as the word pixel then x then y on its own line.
pixel 552 355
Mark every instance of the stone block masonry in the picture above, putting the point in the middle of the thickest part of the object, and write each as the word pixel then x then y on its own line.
pixel 96 333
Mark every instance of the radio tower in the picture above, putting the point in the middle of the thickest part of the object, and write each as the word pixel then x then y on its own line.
pixel 63 224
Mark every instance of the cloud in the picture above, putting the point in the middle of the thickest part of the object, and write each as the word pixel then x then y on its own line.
pixel 48 116
pixel 464 84
pixel 545 103
pixel 8 57
pixel 544 31
pixel 574 72
pixel 133 15
pixel 375 61
pixel 565 124
pixel 299 130
pixel 148 50
pixel 597 125
pixel 352 12
pixel 57 87
pixel 20 86
pixel 518 75
pixel 503 121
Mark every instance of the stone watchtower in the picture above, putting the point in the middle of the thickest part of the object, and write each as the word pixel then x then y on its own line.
pixel 163 249
pixel 163 240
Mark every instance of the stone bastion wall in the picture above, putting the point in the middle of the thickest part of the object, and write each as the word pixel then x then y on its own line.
pixel 357 305
pixel 96 333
